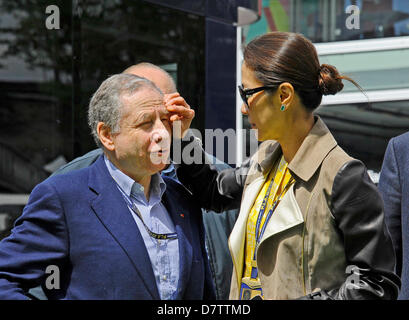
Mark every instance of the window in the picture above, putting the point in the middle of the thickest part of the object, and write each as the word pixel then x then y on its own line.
pixel 47 78
pixel 325 20
pixel 35 95
pixel 364 130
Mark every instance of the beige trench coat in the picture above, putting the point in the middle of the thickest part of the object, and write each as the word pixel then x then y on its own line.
pixel 301 250
pixel 329 223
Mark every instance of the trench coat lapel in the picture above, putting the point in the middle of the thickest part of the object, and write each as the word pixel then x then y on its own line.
pixel 315 147
pixel 287 215
pixel 238 234
pixel 264 159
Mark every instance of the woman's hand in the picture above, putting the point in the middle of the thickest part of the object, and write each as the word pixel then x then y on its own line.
pixel 181 115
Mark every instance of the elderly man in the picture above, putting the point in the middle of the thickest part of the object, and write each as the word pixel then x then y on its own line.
pixel 217 225
pixel 116 229
pixel 394 188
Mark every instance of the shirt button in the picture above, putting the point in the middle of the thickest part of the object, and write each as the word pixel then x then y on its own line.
pixel 164 278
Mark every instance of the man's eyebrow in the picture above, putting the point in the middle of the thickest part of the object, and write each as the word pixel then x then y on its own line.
pixel 143 116
pixel 164 111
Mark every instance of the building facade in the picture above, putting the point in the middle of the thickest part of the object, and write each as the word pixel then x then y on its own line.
pixel 367 40
pixel 55 54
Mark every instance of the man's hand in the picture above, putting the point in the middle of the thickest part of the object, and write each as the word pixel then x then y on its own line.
pixel 181 114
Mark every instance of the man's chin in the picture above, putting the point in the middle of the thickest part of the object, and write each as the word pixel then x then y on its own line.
pixel 157 168
pixel 160 160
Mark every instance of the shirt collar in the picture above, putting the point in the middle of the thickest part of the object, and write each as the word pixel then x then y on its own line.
pixel 170 171
pixel 128 185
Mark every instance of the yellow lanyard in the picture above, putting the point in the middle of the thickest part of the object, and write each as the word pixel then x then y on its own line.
pixel 276 185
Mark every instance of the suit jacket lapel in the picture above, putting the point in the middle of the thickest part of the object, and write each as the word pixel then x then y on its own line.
pixel 112 211
pixel 180 218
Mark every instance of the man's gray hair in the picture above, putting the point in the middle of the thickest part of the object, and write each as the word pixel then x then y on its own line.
pixel 106 103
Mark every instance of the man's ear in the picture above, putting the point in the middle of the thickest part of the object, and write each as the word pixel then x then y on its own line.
pixel 286 92
pixel 105 136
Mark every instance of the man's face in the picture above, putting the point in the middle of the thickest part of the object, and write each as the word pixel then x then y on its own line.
pixel 142 145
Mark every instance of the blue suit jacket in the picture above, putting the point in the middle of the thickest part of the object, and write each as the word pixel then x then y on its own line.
pixel 217 226
pixel 394 187
pixel 80 223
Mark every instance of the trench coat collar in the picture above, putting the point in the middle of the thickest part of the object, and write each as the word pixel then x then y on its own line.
pixel 312 152
pixel 315 147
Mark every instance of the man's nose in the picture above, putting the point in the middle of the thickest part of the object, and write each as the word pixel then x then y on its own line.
pixel 157 137
pixel 159 131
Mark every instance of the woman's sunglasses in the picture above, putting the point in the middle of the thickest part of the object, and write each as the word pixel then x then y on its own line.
pixel 246 93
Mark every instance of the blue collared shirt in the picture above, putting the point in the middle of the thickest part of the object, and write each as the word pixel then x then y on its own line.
pixel 170 172
pixel 164 254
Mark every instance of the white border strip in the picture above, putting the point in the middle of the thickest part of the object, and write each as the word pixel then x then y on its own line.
pixel 354 46
pixel 239 119
pixel 374 96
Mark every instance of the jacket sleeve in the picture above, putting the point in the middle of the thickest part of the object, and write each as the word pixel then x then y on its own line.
pixel 81 162
pixel 390 189
pixel 214 190
pixel 358 211
pixel 38 240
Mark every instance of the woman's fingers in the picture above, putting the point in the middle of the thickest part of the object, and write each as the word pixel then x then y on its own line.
pixel 179 111
pixel 175 117
pixel 176 99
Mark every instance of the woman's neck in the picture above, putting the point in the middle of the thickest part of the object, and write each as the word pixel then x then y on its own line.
pixel 292 141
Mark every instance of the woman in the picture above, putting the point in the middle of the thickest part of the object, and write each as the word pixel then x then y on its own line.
pixel 311 222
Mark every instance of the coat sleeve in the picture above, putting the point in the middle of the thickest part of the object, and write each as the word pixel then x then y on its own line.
pixel 358 211
pixel 81 162
pixel 214 190
pixel 38 240
pixel 390 189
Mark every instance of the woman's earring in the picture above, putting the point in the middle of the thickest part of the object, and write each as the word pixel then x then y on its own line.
pixel 282 108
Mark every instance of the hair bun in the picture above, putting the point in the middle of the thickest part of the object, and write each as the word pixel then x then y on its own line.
pixel 330 81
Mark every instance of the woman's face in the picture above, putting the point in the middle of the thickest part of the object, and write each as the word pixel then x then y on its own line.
pixel 264 108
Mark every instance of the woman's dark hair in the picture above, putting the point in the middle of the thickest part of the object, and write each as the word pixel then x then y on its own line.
pixel 278 57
